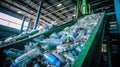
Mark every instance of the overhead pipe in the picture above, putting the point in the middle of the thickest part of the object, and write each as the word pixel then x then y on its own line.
pixel 38 15
pixel 23 21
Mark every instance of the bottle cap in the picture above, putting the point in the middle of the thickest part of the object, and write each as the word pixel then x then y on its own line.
pixel 55 51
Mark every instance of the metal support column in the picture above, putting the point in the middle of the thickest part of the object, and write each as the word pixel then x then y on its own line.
pixel 38 15
pixel 117 11
pixel 23 20
pixel 29 25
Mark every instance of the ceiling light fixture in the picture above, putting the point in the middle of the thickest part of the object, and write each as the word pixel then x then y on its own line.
pixel 74 15
pixel 19 11
pixel 59 5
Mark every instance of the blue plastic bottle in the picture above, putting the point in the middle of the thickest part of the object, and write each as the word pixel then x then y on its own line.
pixel 52 59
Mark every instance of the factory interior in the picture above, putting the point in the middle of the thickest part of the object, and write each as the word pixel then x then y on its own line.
pixel 59 33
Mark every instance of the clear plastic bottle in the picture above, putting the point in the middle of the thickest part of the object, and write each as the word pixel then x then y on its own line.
pixel 9 40
pixel 52 42
pixel 69 56
pixel 62 47
pixel 79 37
pixel 59 57
pixel 28 56
pixel 36 65
pixel 11 53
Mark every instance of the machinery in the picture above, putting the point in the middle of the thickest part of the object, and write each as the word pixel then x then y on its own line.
pixel 76 43
pixel 67 45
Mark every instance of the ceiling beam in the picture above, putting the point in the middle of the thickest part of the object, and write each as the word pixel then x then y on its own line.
pixel 69 4
pixel 49 3
pixel 13 8
pixel 61 18
pixel 103 7
pixel 46 18
pixel 99 2
pixel 50 17
pixel 66 11
pixel 54 4
pixel 54 15
pixel 57 10
pixel 75 2
pixel 104 3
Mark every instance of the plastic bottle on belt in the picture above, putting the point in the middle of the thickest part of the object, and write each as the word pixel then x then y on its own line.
pixel 78 49
pixel 55 36
pixel 36 65
pixel 51 42
pixel 79 37
pixel 52 59
pixel 28 56
pixel 59 57
pixel 69 56
pixel 12 54
pixel 61 48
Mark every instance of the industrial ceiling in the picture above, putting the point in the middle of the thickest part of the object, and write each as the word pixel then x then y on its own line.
pixel 53 10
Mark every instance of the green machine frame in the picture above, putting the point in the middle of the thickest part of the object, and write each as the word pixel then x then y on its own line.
pixel 83 8
pixel 93 46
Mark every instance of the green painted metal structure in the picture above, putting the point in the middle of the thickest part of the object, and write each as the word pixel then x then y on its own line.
pixel 21 42
pixel 83 8
pixel 93 46
pixel 87 56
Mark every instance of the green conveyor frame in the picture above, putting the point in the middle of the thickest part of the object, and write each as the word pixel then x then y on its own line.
pixel 27 35
pixel 92 46
pixel 20 43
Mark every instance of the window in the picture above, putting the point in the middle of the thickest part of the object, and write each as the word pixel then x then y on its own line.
pixel 10 21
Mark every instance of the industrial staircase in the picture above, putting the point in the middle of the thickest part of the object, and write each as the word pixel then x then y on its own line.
pixel 111 57
pixel 114 44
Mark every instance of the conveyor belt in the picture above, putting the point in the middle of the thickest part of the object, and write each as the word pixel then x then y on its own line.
pixel 21 42
pixel 93 47
pixel 91 50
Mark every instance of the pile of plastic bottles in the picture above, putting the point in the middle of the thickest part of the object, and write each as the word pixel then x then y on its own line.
pixel 59 49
